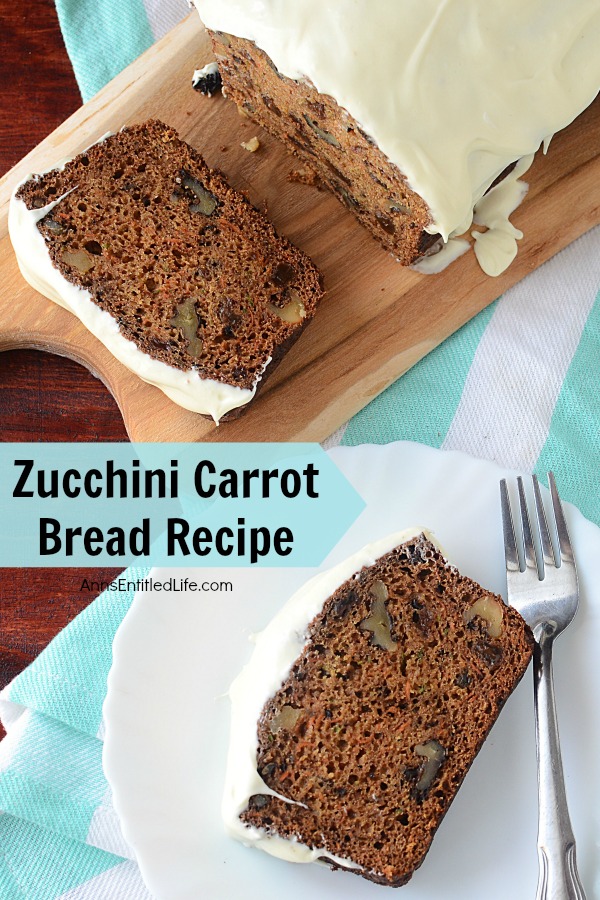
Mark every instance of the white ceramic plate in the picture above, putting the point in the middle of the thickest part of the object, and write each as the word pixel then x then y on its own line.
pixel 167 715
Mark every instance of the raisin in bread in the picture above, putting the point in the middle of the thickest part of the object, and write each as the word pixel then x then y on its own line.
pixel 174 271
pixel 411 111
pixel 374 689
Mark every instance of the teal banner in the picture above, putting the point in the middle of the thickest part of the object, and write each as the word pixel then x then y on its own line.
pixel 171 504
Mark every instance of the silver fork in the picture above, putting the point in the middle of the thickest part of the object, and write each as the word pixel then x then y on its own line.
pixel 545 592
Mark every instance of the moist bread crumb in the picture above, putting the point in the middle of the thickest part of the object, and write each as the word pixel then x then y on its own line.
pixel 404 672
pixel 190 271
pixel 329 140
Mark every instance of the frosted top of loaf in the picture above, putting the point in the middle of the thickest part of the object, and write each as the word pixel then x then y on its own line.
pixel 452 91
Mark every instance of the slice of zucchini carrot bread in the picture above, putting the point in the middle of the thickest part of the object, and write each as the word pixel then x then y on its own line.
pixel 173 270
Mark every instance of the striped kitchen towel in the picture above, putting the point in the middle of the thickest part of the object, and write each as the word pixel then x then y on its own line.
pixel 59 835
pixel 104 36
pixel 518 384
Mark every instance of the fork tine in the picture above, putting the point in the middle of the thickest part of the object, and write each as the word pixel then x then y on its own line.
pixel 566 553
pixel 510 542
pixel 546 595
pixel 547 548
pixel 530 557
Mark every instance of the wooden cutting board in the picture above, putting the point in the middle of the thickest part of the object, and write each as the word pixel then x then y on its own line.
pixel 377 320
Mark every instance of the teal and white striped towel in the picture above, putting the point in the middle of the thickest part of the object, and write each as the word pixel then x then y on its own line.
pixel 519 384
pixel 59 835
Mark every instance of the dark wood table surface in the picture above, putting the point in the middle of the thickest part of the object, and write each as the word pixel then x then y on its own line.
pixel 42 397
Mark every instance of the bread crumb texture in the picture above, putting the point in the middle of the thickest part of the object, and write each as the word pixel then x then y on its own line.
pixel 328 139
pixel 192 273
pixel 405 671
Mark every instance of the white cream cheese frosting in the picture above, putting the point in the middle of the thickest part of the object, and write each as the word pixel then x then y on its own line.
pixel 496 247
pixel 186 388
pixel 452 91
pixel 276 649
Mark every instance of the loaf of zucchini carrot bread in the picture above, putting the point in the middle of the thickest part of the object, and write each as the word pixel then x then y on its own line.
pixel 411 110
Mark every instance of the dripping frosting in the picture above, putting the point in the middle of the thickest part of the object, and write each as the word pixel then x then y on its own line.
pixel 452 91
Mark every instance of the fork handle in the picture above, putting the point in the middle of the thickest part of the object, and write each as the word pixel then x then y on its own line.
pixel 558 878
